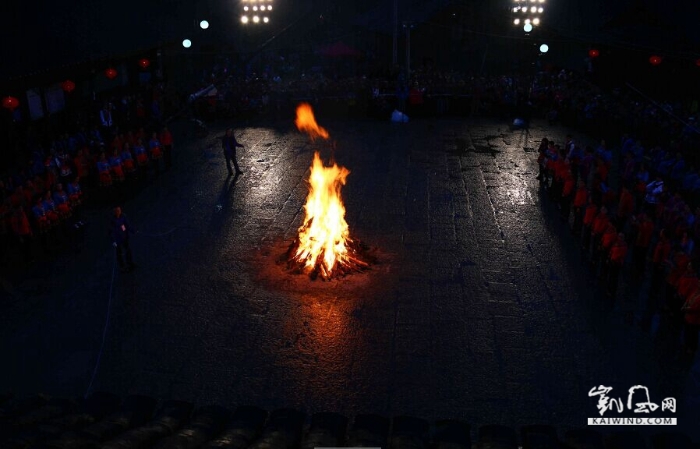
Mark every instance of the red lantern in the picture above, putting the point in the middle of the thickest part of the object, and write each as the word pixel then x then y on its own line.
pixel 68 86
pixel 593 53
pixel 10 103
pixel 655 60
pixel 144 63
pixel 111 73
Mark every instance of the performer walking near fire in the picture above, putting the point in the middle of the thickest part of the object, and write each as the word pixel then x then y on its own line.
pixel 229 144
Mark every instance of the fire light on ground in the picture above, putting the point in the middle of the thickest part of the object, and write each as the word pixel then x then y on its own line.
pixel 323 246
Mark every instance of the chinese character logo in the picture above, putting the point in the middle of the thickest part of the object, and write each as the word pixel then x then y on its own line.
pixel 669 404
pixel 638 401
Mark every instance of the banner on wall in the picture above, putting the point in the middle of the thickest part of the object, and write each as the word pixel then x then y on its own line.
pixel 36 107
pixel 55 99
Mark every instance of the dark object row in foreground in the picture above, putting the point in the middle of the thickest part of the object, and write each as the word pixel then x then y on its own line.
pixel 104 420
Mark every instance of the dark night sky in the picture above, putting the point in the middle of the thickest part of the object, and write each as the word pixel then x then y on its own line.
pixel 51 33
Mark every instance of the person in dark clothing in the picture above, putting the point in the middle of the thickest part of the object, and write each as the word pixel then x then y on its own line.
pixel 229 144
pixel 119 230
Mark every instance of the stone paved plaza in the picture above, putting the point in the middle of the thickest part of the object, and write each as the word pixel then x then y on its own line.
pixel 479 307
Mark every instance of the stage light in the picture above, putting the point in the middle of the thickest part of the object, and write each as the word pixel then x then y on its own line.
pixel 265 19
pixel 256 19
pixel 245 8
pixel 516 9
pixel 244 19
pixel 536 21
pixel 540 10
pixel 187 43
pixel 255 8
pixel 527 27
pixel 269 7
pixel 527 21
pixel 533 9
pixel 516 22
pixel 204 24
pixel 544 48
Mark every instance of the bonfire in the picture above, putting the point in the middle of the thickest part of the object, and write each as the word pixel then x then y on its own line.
pixel 323 246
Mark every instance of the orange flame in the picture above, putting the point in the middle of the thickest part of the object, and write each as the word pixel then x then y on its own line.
pixel 306 122
pixel 324 236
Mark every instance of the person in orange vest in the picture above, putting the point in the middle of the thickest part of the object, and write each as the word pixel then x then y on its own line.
pixel 567 194
pixel 155 152
pixel 166 139
pixel 644 229
pixel 691 318
pixel 625 207
pixel 600 223
pixel 117 166
pixel 60 197
pixel 542 156
pixel 104 171
pixel 75 193
pixel 580 200
pixel 588 218
pixel 606 242
pixel 687 283
pixel 82 164
pixel 673 303
pixel 660 261
pixel 618 252
pixel 128 160
pixel 558 169
pixel 21 228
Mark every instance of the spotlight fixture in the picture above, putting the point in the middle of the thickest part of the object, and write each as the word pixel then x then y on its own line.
pixel 244 19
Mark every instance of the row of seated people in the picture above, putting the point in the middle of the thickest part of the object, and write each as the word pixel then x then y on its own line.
pixel 657 225
pixel 124 156
pixel 125 161
pixel 40 198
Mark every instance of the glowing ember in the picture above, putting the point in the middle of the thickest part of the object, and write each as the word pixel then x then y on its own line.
pixel 323 245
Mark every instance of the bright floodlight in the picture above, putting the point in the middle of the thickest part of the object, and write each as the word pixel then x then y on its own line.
pixel 516 9
pixel 544 48
pixel 527 20
pixel 244 19
pixel 255 8
pixel 204 24
pixel 516 22
pixel 245 8
pixel 536 21
pixel 540 10
pixel 527 27
pixel 269 7
pixel 265 19
pixel 256 19
pixel 187 43
pixel 533 9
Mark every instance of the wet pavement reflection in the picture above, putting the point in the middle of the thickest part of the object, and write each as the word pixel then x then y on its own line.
pixel 478 309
